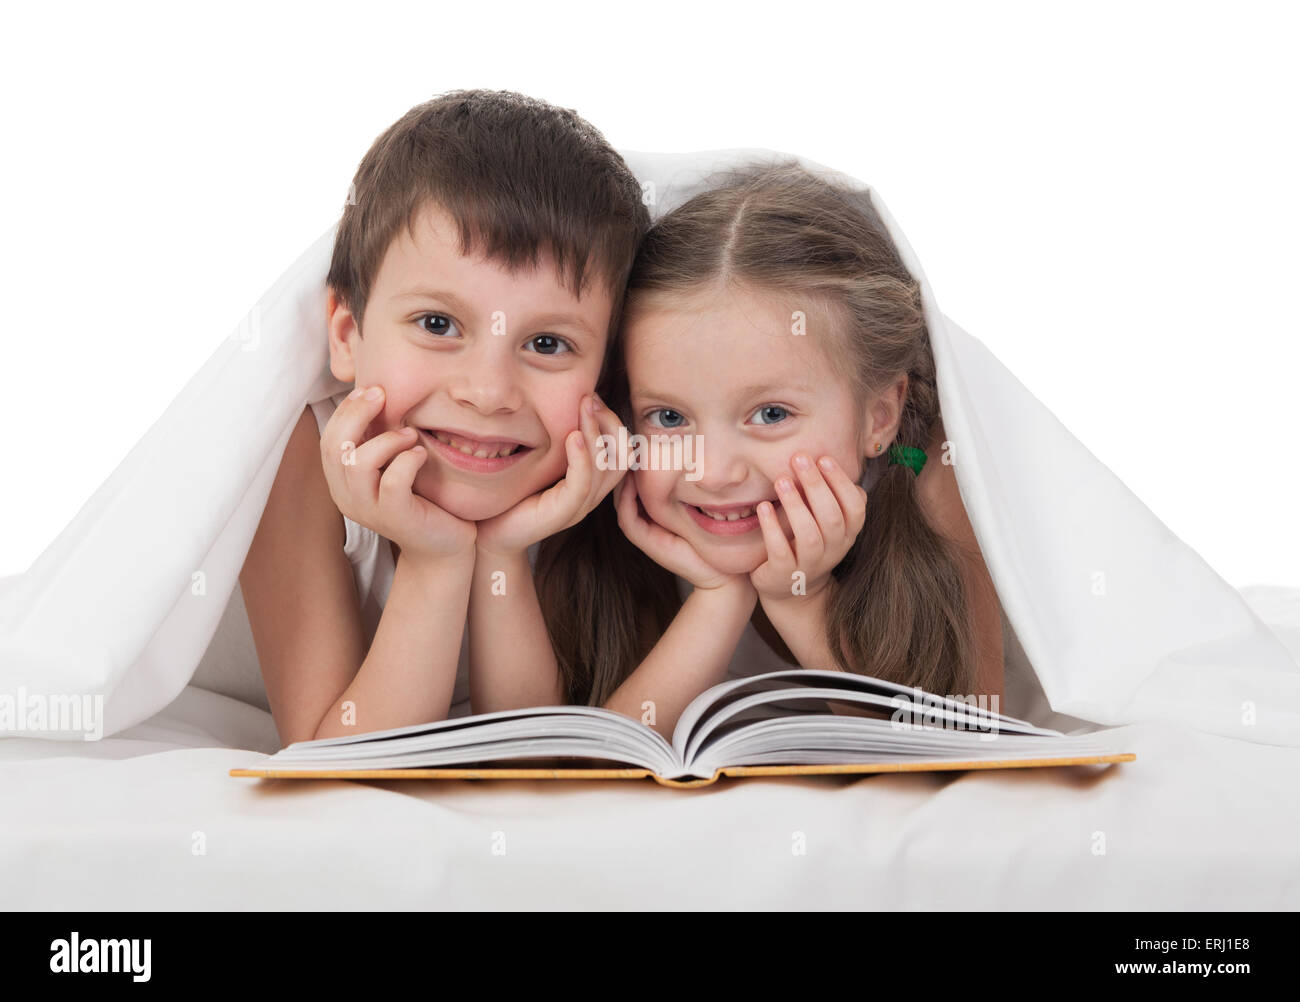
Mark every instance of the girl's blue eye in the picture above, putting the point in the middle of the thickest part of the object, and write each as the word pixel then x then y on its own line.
pixel 666 418
pixel 440 332
pixel 548 344
pixel 771 414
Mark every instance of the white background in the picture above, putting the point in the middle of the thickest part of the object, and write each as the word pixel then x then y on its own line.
pixel 1105 195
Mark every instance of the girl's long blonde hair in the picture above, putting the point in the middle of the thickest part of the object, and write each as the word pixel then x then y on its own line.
pixel 898 608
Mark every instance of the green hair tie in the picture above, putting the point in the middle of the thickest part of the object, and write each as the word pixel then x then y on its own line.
pixel 907 456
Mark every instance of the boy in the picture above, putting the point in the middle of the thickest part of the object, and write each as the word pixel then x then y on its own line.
pixel 476 283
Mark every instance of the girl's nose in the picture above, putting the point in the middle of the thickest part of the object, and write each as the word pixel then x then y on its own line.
pixel 721 465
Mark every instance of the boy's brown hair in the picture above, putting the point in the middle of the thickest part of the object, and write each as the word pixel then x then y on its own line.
pixel 518 175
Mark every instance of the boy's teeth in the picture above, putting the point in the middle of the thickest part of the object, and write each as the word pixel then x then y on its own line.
pixel 469 450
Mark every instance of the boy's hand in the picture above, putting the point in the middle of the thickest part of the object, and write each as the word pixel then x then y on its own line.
pixel 382 499
pixel 668 549
pixel 568 502
pixel 824 528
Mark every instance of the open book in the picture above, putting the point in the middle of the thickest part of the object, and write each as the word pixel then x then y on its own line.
pixel 798 721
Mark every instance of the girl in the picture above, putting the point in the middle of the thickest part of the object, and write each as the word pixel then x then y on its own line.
pixel 772 317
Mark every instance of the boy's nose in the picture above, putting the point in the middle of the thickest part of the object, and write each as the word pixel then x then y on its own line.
pixel 486 383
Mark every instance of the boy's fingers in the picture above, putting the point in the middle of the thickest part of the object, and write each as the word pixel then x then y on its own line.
pixel 354 415
pixel 397 480
pixel 579 475
pixel 587 423
pixel 381 449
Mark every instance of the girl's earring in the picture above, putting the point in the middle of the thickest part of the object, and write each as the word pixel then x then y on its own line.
pixel 878 447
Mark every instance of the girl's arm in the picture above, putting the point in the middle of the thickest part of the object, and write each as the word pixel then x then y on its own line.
pixel 511 661
pixel 695 650
pixel 692 655
pixel 801 621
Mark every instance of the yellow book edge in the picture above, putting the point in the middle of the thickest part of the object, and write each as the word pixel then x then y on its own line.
pixel 729 771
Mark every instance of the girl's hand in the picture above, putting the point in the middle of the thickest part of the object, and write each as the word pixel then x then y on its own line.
pixel 665 548
pixel 568 502
pixel 382 499
pixel 824 528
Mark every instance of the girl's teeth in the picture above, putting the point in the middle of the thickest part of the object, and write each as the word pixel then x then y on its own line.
pixel 476 453
pixel 733 516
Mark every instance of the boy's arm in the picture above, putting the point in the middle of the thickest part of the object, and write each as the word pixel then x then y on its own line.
pixel 409 673
pixel 299 592
pixel 511 663
pixel 302 611
pixel 692 655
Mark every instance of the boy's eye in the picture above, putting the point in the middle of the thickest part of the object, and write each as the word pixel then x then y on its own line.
pixel 548 344
pixel 771 414
pixel 664 417
pixel 443 325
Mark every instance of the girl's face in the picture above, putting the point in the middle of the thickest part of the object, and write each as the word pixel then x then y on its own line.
pixel 729 367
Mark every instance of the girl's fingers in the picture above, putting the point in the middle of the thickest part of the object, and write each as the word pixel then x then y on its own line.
pixel 825 507
pixel 778 547
pixel 806 534
pixel 629 519
pixel 645 533
pixel 851 496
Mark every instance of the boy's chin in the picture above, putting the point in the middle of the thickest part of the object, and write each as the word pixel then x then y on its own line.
pixel 472 505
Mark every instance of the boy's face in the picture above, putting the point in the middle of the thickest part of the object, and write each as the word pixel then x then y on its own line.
pixel 487 365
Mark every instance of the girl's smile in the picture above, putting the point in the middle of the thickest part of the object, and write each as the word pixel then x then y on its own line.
pixel 726 520
pixel 724 365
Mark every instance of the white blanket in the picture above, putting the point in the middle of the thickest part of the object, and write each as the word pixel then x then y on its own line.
pixel 1121 620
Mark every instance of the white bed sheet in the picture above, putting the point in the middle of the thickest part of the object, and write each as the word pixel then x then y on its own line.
pixel 1199 821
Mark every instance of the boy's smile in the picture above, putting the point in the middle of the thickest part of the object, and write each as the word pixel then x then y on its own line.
pixel 488 365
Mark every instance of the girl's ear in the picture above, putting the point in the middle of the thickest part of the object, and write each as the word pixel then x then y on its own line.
pixel 342 328
pixel 881 417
